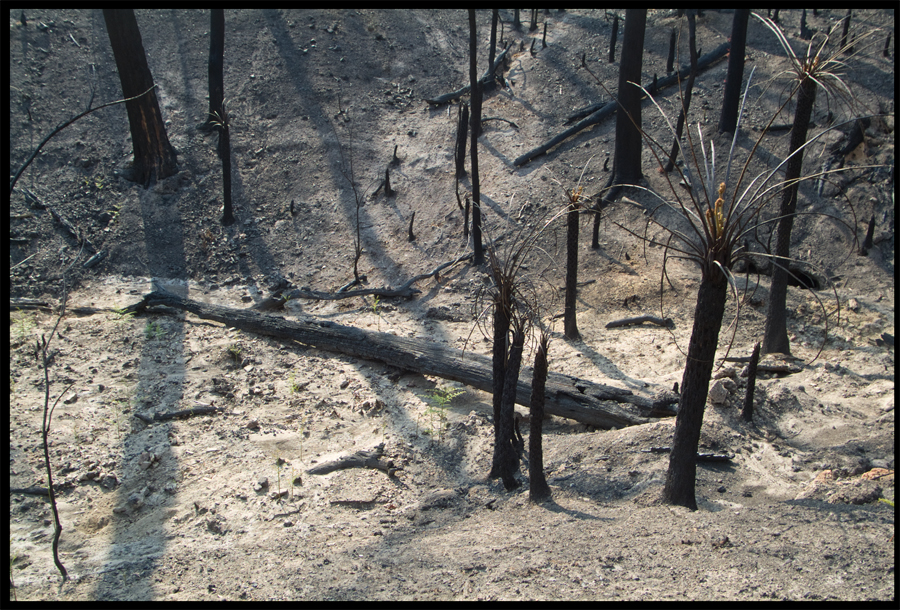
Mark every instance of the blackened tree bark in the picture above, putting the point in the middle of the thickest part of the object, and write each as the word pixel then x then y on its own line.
pixel 747 411
pixel 612 39
pixel 508 457
pixel 224 127
pixel 708 314
pixel 735 74
pixel 776 338
pixel 671 58
pixel 499 352
pixel 628 117
pixel 627 159
pixel 462 128
pixel 689 89
pixel 476 130
pixel 154 156
pixel 538 489
pixel 495 15
pixel 569 319
pixel 216 66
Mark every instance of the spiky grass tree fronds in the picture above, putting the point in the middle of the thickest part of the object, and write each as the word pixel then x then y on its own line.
pixel 510 298
pixel 711 223
pixel 815 70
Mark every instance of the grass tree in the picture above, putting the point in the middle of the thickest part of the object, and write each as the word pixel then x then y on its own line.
pixel 513 301
pixel 817 69
pixel 711 223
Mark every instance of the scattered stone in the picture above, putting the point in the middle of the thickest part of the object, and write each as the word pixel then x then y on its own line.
pixel 718 393
pixel 252 425
pixel 262 483
pixel 109 480
pixel 853 305
pixel 721 489
pixel 726 372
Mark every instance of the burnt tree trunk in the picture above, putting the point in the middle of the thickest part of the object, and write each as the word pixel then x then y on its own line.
pixel 476 130
pixel 538 489
pixel 747 411
pixel 462 129
pixel 498 368
pixel 216 66
pixel 689 89
pixel 735 74
pixel 612 39
pixel 508 458
pixel 628 120
pixel 682 472
pixel 154 156
pixel 569 321
pixel 493 47
pixel 776 338
pixel 671 59
pixel 225 156
pixel 584 401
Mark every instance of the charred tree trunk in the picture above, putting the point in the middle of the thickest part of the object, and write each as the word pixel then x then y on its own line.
pixel 216 66
pixel 508 458
pixel 499 347
pixel 671 59
pixel 461 135
pixel 708 314
pixel 225 156
pixel 154 156
pixel 569 320
pixel 679 128
pixel 747 411
pixel 493 47
pixel 538 489
pixel 476 130
pixel 776 338
pixel 628 120
pixel 735 74
pixel 612 40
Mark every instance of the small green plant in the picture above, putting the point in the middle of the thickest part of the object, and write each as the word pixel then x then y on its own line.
pixel 235 353
pixel 122 316
pixel 294 385
pixel 22 325
pixel 441 399
pixel 153 331
pixel 114 213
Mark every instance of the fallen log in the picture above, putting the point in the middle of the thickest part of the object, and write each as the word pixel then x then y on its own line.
pixel 278 299
pixel 484 80
pixel 702 63
pixel 591 403
pixel 597 112
pixel 666 322
pixel 361 459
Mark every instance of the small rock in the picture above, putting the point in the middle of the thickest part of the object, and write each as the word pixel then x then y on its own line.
pixel 109 481
pixel 252 425
pixel 853 305
pixel 288 523
pixel 263 483
pixel 718 393
pixel 721 489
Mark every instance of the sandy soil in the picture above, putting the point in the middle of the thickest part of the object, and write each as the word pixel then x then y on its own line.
pixel 221 507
